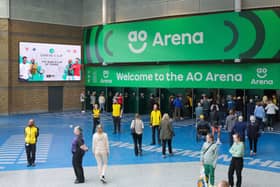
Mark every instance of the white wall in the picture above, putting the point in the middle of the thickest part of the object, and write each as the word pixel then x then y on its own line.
pixel 4 8
pixel 65 12
pixel 89 12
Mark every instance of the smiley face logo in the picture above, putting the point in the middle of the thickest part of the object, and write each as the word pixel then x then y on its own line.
pixel 262 73
pixel 135 38
pixel 106 74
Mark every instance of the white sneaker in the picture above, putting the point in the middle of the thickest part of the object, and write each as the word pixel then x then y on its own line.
pixel 218 142
pixel 251 153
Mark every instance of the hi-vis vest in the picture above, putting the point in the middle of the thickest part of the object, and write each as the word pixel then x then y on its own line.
pixel 116 110
pixel 96 113
pixel 31 134
pixel 155 117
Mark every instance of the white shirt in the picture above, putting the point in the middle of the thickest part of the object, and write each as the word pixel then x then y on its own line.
pixel 271 108
pixel 138 125
pixel 92 99
pixel 82 97
pixel 101 99
pixel 100 143
pixel 24 71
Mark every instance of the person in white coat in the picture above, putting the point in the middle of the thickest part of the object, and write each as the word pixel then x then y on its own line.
pixel 271 110
pixel 100 148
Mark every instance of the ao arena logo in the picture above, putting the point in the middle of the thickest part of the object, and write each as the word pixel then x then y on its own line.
pixel 163 40
pixel 261 77
pixel 221 36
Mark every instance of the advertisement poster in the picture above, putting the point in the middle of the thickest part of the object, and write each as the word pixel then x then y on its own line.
pixel 49 62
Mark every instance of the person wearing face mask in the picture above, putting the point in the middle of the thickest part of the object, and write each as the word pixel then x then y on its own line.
pixel 31 133
pixel 236 165
pixel 208 158
pixel 253 135
pixel 78 150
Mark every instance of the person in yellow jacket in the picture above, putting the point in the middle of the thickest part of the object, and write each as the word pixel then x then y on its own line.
pixel 155 122
pixel 117 114
pixel 31 133
pixel 96 117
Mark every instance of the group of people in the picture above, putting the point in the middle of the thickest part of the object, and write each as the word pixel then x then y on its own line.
pixel 215 111
pixel 162 131
pixel 73 70
pixel 100 149
pixel 28 70
pixel 162 125
pixel 209 157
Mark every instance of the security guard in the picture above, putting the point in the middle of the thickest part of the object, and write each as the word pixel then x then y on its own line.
pixel 155 122
pixel 117 114
pixel 96 117
pixel 31 135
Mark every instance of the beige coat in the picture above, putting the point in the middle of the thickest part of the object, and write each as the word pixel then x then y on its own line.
pixel 166 130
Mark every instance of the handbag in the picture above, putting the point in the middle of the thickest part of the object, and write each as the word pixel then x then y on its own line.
pixel 133 129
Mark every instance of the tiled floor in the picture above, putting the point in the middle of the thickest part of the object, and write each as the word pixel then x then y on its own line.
pixel 54 157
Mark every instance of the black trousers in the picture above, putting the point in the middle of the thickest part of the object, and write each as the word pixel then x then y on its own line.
pixel 164 142
pixel 137 139
pixel 230 134
pixel 270 119
pixel 154 130
pixel 117 124
pixel 77 163
pixel 30 153
pixel 83 106
pixel 236 165
pixel 253 144
pixel 96 121
pixel 260 122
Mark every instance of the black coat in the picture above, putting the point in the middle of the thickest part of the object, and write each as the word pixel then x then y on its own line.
pixel 253 130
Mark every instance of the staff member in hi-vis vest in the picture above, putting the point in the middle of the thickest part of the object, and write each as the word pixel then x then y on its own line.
pixel 96 117
pixel 31 133
pixel 117 115
pixel 155 122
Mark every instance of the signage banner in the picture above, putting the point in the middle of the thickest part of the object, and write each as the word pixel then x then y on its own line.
pixel 232 76
pixel 220 36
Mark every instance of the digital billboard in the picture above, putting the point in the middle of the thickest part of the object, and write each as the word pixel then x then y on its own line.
pixel 49 62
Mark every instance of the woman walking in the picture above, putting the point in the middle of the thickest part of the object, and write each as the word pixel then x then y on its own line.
pixel 208 158
pixel 78 150
pixel 253 135
pixel 166 134
pixel 137 128
pixel 100 148
pixel 236 164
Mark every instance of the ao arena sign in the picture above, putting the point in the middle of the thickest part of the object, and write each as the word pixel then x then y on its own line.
pixel 222 36
pixel 242 76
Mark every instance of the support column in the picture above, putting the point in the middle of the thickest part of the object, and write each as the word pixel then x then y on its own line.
pixel 4 67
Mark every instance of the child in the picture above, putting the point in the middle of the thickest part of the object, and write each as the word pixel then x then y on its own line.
pixel 96 117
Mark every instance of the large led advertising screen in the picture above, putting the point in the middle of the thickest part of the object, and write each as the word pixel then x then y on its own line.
pixel 49 62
